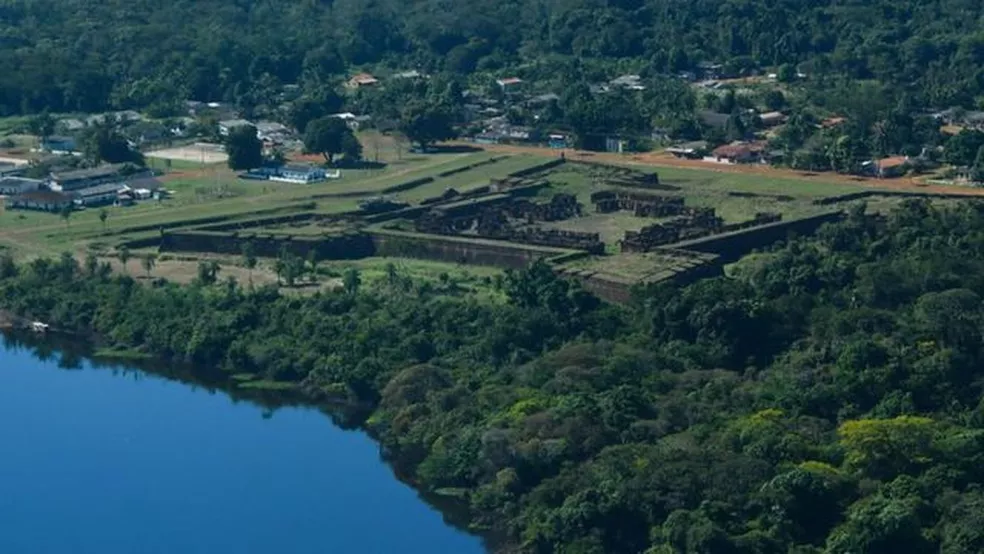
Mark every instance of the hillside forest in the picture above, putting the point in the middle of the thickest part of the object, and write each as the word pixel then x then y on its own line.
pixel 824 397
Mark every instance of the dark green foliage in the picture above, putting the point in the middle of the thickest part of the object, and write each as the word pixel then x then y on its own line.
pixel 244 148
pixel 330 136
pixel 825 397
pixel 426 124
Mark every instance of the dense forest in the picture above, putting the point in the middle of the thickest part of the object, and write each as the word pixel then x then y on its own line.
pixel 82 55
pixel 824 397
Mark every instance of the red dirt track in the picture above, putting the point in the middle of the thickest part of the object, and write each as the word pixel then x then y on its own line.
pixel 658 159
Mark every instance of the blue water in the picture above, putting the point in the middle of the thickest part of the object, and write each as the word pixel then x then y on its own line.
pixel 97 461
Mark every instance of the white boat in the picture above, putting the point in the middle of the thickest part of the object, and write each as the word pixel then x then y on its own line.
pixel 39 327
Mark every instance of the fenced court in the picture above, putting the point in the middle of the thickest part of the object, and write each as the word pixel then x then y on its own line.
pixel 199 152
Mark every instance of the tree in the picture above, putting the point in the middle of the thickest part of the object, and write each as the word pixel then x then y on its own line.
pixel 330 136
pixel 351 148
pixel 208 272
pixel 249 259
pixel 148 262
pixel 123 253
pixel 977 170
pixel 41 126
pixel 103 216
pixel 400 141
pixel 425 124
pixel 312 261
pixel 786 73
pixel 351 280
pixel 66 213
pixel 308 108
pixel 102 142
pixel 244 148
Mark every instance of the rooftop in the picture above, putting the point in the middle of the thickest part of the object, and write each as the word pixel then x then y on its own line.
pixel 230 123
pixel 99 190
pixel 892 161
pixel 18 183
pixel 509 81
pixel 90 173
pixel 737 149
pixel 44 196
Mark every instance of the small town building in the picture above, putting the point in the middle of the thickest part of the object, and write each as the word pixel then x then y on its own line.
pixel 771 119
pixel 887 168
pixel 99 195
pixel 68 181
pixel 737 153
pixel 59 144
pixel 226 126
pixel 832 122
pixel 43 200
pixel 272 131
pixel 12 186
pixel 362 80
pixel 558 141
pixel 354 122
pixel 510 85
pixel 294 173
pixel 689 150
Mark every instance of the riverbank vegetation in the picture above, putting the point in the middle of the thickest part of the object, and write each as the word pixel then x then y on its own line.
pixel 825 397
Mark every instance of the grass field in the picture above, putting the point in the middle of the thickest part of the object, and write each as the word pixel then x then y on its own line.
pixel 203 191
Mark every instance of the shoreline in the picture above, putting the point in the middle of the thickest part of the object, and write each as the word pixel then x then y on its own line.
pixel 344 415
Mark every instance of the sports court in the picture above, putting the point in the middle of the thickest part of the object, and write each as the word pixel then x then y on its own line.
pixel 199 152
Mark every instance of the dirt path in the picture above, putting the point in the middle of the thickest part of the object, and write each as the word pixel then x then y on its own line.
pixel 659 159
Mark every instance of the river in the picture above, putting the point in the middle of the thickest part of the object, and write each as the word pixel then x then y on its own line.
pixel 94 460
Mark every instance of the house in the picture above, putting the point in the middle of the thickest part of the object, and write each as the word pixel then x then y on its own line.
pixel 510 85
pixel 68 181
pixel 362 80
pixel 832 122
pixel 58 144
pixel 771 119
pixel 70 125
pixel 557 141
pixel 887 168
pixel 713 119
pixel 354 122
pixel 689 150
pixel 737 153
pixel 10 169
pixel 271 131
pixel 294 173
pixel 711 70
pixel 99 195
pixel 615 145
pixel 12 186
pixel 44 200
pixel 226 126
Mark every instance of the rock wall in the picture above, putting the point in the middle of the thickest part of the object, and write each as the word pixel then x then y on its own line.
pixel 343 247
pixel 734 245
pixel 458 250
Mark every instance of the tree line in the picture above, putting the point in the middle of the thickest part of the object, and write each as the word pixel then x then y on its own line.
pixel 153 56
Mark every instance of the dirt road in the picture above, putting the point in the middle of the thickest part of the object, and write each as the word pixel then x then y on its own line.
pixel 659 159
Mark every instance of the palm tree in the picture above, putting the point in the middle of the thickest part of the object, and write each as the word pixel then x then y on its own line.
pixel 103 216
pixel 249 259
pixel 148 262
pixel 123 253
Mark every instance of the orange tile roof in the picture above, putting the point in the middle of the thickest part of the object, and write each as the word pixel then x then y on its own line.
pixel 893 161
